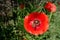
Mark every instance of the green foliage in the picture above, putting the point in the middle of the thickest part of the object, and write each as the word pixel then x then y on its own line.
pixel 13 29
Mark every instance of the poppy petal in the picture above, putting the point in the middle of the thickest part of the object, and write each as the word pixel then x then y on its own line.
pixel 42 19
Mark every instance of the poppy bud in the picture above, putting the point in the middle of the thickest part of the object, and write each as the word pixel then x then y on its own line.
pixel 50 7
pixel 21 6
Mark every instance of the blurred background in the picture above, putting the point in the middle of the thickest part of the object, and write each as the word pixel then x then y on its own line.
pixel 12 13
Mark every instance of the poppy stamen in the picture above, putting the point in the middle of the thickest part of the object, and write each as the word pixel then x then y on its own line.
pixel 35 23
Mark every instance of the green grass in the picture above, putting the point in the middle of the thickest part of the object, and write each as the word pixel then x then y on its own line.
pixel 13 29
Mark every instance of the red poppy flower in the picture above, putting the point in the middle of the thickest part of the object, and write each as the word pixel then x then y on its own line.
pixel 36 23
pixel 21 6
pixel 50 7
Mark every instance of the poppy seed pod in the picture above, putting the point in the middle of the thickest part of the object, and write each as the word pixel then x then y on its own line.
pixel 50 7
pixel 36 23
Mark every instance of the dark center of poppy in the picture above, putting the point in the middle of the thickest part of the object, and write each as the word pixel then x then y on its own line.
pixel 36 23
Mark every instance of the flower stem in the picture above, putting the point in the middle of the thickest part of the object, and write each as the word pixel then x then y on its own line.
pixel 50 16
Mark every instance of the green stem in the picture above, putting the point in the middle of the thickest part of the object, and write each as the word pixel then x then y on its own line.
pixel 50 16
